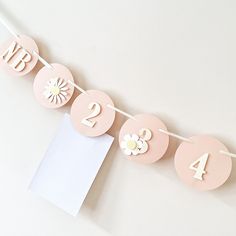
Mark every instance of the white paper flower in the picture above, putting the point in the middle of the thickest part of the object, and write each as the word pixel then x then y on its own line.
pixel 56 90
pixel 132 144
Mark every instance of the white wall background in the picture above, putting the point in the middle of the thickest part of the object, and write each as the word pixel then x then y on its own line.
pixel 175 59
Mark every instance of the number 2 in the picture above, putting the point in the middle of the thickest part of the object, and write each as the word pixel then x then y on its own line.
pixel 200 169
pixel 96 109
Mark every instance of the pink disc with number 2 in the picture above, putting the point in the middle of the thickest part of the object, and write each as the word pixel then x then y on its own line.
pixel 90 113
pixel 201 164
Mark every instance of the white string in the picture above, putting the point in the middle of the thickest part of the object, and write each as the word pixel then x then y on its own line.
pixel 108 105
pixel 44 62
pixel 230 154
pixel 7 26
pixel 175 135
pixel 78 87
pixel 121 112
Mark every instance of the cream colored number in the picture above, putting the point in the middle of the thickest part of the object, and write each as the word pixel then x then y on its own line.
pixel 96 109
pixel 145 134
pixel 201 164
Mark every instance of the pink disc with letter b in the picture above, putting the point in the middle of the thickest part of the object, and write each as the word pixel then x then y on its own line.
pixel 141 140
pixel 201 164
pixel 17 57
pixel 90 114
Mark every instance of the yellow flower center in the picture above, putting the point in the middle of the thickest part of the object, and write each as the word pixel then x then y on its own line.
pixel 55 90
pixel 131 144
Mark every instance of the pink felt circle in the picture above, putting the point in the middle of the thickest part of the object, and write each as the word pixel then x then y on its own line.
pixel 218 166
pixel 41 81
pixel 159 142
pixel 80 111
pixel 26 43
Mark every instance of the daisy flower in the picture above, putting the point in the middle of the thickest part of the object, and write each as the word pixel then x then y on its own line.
pixel 55 90
pixel 131 144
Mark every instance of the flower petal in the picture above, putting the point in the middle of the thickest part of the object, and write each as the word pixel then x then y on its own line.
pixel 64 93
pixel 55 99
pixel 60 81
pixel 47 94
pixel 51 98
pixel 135 152
pixel 127 137
pixel 127 152
pixel 123 145
pixel 63 84
pixel 58 99
pixel 64 88
pixel 53 81
pixel 135 137
pixel 61 97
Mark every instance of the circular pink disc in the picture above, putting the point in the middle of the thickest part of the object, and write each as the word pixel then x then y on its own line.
pixel 17 57
pixel 51 86
pixel 200 163
pixel 141 140
pixel 90 114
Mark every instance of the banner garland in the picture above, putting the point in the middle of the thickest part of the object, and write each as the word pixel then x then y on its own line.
pixel 200 161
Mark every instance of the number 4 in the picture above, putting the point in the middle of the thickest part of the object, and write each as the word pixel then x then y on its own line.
pixel 200 169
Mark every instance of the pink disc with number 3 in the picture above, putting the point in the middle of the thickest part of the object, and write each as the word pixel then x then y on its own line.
pixel 200 163
pixel 141 141
pixel 90 114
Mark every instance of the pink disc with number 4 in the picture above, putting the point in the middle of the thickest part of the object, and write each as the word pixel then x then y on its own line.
pixel 140 139
pixel 90 113
pixel 201 164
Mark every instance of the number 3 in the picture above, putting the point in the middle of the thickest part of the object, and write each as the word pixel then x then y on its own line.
pixel 96 109
pixel 200 169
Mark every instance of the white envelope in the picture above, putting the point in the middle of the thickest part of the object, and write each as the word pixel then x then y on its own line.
pixel 69 167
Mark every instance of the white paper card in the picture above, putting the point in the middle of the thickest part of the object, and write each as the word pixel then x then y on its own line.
pixel 69 167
